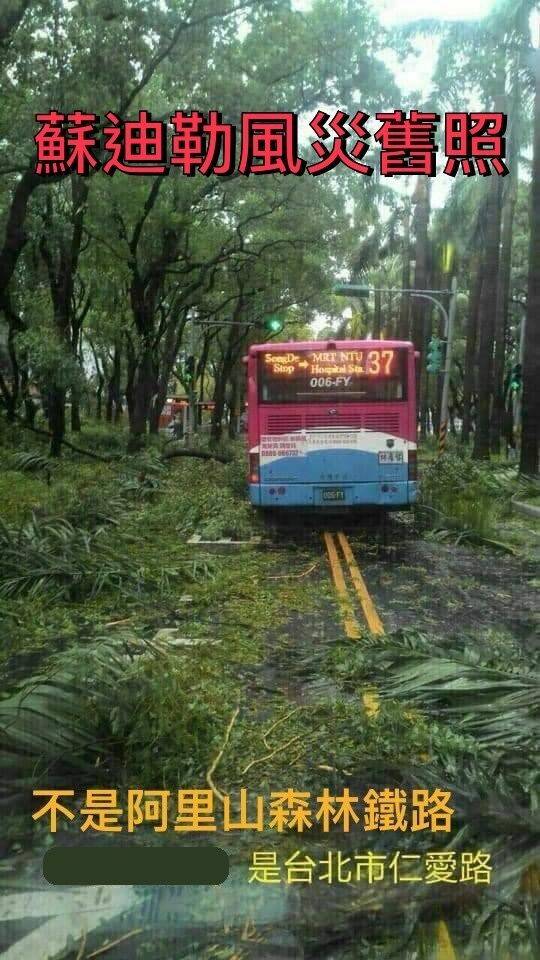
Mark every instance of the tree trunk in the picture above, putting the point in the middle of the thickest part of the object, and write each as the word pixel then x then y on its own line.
pixel 62 269
pixel 501 317
pixel 11 391
pixel 57 419
pixel 144 388
pixel 530 409
pixel 487 311
pixel 233 406
pixel 403 325
pixel 421 199
pixel 377 319
pixel 99 397
pixel 30 409
pixel 75 412
pixel 471 336
pixel 113 394
pixel 15 235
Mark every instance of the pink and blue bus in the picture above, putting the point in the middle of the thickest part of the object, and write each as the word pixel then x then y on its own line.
pixel 332 424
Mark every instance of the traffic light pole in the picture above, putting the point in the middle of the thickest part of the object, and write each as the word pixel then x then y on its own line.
pixel 449 337
pixel 358 290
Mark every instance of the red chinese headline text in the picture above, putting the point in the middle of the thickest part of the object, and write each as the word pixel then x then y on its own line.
pixel 199 143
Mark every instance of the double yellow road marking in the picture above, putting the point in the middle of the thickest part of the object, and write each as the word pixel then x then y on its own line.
pixel 352 628
pixel 370 697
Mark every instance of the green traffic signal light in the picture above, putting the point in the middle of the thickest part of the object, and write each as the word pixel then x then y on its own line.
pixel 274 324
pixel 434 355
pixel 516 378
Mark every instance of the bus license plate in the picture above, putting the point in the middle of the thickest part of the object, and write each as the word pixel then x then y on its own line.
pixel 333 494
pixel 391 456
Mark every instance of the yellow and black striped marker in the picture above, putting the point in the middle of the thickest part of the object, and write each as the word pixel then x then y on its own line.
pixel 443 430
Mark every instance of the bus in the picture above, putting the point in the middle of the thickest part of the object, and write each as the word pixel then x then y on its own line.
pixel 332 424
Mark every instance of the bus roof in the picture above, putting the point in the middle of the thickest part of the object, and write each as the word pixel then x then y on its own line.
pixel 330 345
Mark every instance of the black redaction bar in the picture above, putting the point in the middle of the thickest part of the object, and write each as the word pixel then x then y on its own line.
pixel 206 865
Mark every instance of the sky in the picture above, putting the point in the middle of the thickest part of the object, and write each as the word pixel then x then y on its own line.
pixel 412 73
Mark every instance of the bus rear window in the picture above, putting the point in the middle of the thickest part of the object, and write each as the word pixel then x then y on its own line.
pixel 349 376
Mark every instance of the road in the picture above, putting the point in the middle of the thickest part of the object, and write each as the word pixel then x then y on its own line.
pixel 370 583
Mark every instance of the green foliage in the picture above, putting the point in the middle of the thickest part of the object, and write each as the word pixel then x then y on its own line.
pixel 168 729
pixel 482 690
pixel 32 463
pixel 456 498
pixel 208 498
pixel 139 487
pixel 50 360
pixel 52 556
pixel 118 699
pixel 103 438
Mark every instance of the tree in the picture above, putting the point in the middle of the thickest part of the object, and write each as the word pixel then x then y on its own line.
pixel 486 318
pixel 531 361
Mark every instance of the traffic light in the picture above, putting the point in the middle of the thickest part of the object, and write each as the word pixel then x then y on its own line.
pixel 351 290
pixel 273 324
pixel 434 355
pixel 515 378
pixel 189 369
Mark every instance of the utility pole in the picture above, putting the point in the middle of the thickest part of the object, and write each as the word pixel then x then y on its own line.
pixel 449 336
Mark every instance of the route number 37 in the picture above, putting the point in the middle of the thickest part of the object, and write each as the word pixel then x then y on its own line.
pixel 376 358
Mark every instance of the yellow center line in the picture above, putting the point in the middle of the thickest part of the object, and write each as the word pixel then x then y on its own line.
pixel 350 622
pixel 445 950
pixel 371 702
pixel 373 620
pixel 370 697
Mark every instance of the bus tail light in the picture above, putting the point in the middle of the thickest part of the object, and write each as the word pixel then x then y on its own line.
pixel 413 465
pixel 254 468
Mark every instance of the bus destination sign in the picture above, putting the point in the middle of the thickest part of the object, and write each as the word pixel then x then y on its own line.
pixel 335 364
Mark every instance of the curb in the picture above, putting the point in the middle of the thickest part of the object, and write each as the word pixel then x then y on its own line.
pixel 225 545
pixel 527 509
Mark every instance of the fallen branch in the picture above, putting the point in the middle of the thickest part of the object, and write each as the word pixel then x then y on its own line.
pixel 269 756
pixel 65 443
pixel 295 576
pixel 167 455
pixel 219 755
pixel 324 766
pixel 82 948
pixel 114 943
pixel 277 723
pixel 198 454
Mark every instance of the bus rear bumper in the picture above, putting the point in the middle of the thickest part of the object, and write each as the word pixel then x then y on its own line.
pixel 380 494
